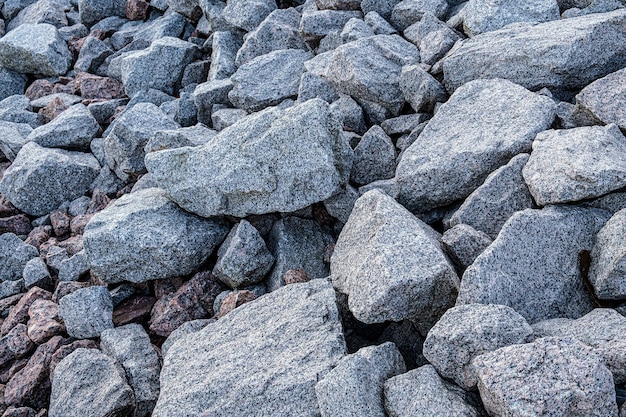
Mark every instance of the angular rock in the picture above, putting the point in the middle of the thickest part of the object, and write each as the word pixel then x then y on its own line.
pixel 340 205
pixel 248 168
pixel 382 7
pixel 87 312
pixel 420 89
pixel 35 49
pixel 11 83
pixel 12 138
pixel 355 29
pixel 464 244
pixel 607 272
pixel 15 344
pixel 316 24
pixel 351 114
pixel 247 373
pixel 40 179
pixel 554 377
pixel 379 24
pixel 247 14
pixel 500 54
pixel 235 299
pixel 188 8
pixel 314 86
pixel 224 48
pixel 227 117
pixel 187 136
pixel 465 142
pixel 410 278
pixel 209 93
pixel 533 264
pixel 604 100
pixel 11 288
pixel 486 16
pixel 19 312
pixel 467 331
pixel 355 386
pixel 88 383
pixel 374 157
pixel 17 109
pixel 183 330
pixel 36 274
pixel 407 12
pixel 576 164
pixel 92 54
pixel 44 322
pixel 14 256
pixel 134 310
pixel 91 11
pixel 130 346
pixel 73 129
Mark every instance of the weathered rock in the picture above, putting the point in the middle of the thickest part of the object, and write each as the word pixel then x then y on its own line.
pixel 183 330
pixel 485 16
pixel 87 312
pixel 72 129
pixel 19 312
pixel 379 24
pixel 94 87
pixel 17 109
pixel 554 377
pixel 502 53
pixel 44 322
pixel 14 256
pixel 316 24
pixel 374 157
pixel 15 344
pixel 465 141
pixel 247 14
pixel 248 168
pixel 226 117
pixel 233 300
pixel 92 55
pixel 35 49
pixel 130 346
pixel 407 12
pixel 355 29
pixel 40 179
pixel 11 83
pixel 12 138
pixel 188 8
pixel 420 89
pixel 10 288
pixel 382 7
pixel 248 375
pixel 355 386
pixel 607 272
pixel 604 100
pixel 351 114
pixel 533 264
pixel 187 136
pixel 410 267
pixel 464 244
pixel 340 205
pixel 88 383
pixel 135 310
pixel 223 51
pixel 91 11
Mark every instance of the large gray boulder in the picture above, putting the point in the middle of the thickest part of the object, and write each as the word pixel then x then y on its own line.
pixel 274 160
pixel 480 128
pixel 354 388
pixel 533 264
pixel 14 255
pixel 88 383
pixel 91 11
pixel 145 236
pixel 40 179
pixel 607 271
pixel 604 100
pixel 265 357
pixel 35 49
pixel 72 129
pixel 391 265
pixel 553 376
pixel 532 54
pixel 488 15
pixel 87 312
pixel 576 164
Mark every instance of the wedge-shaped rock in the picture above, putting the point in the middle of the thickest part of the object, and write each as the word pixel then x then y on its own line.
pixel 275 160
pixel 72 129
pixel 576 164
pixel 391 265
pixel 549 377
pixel 533 264
pixel 14 255
pixel 607 272
pixel 40 179
pixel 145 236
pixel 480 128
pixel 604 100
pixel 488 15
pixel 563 54
pixel 265 357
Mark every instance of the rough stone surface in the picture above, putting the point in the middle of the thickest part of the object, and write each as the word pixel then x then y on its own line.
pixel 145 236
pixel 92 11
pixel 247 14
pixel 14 256
pixel 44 322
pixel 11 82
pixel 224 48
pixel 374 157
pixel 391 265
pixel 183 330
pixel 87 312
pixel 472 134
pixel 15 344
pixel 317 24
pixel 604 100
pixel 72 129
pixel 407 12
pixel 264 354
pixel 19 312
pixel 464 244
pixel 420 89
pixel 12 138
pixel 248 168
pixel 607 272
pixel 485 16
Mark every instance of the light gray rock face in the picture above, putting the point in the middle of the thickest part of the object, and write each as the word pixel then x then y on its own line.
pixel 464 244
pixel 604 100
pixel 275 160
pixel 355 29
pixel 160 66
pixel 145 236
pixel 35 49
pixel 124 145
pixel 607 272
pixel 185 329
pixel 485 16
pixel 224 49
pixel 576 164
pixel 14 255
pixel 209 93
pixel 268 79
pixel 420 89
pixel 87 312
pixel 40 179
pixel 503 193
pixel 422 392
pixel 550 377
pixel 316 24
pixel 297 244
pixel 17 109
pixel 601 329
pixel 354 388
pixel 243 259
pixel 370 68
pixel 130 347
pixel 475 132
pixel 407 12
pixel 11 83
pixel 266 357
pixel 247 14
pixel 278 31
pixel 340 205
pixel 533 264
pixel 91 11
pixel 391 265
pixel 72 129
pixel 72 268
pixel 42 11
pixel 36 274
pixel 188 8
pixel 13 137
pixel 374 157
pixel 532 54
pixel 467 331
pixel 88 383
pixel 433 37
pixel 187 136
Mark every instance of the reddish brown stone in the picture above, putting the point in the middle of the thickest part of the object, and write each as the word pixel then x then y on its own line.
pixel 19 312
pixel 12 368
pixel 134 310
pixel 39 88
pixel 15 344
pixel 137 9
pixel 72 245
pixel 19 412
pixel 18 224
pixel 39 235
pixel 60 221
pixel 53 109
pixel 78 223
pixel 194 300
pixel 6 208
pixel 31 385
pixel 49 244
pixel 163 287
pixel 234 300
pixel 65 350
pixel 296 276
pixel 99 201
pixel 8 302
pixel 44 321
pixel 67 287
pixel 92 86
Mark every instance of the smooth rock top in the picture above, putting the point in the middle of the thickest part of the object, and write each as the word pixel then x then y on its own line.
pixel 272 161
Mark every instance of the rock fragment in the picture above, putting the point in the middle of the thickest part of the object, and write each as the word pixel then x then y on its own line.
pixel 87 312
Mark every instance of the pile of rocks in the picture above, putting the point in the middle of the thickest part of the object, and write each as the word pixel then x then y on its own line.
pixel 312 207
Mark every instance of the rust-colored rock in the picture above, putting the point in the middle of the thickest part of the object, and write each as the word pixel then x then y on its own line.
pixel 44 322
pixel 18 224
pixel 8 302
pixel 99 201
pixel 53 109
pixel 78 223
pixel 19 412
pixel 60 221
pixel 65 350
pixel 15 344
pixel 135 310
pixel 39 88
pixel 163 287
pixel 72 245
pixel 234 300
pixel 49 244
pixel 39 235
pixel 67 287
pixel 92 87
pixel 19 312
pixel 295 276
pixel 12 368
pixel 137 9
